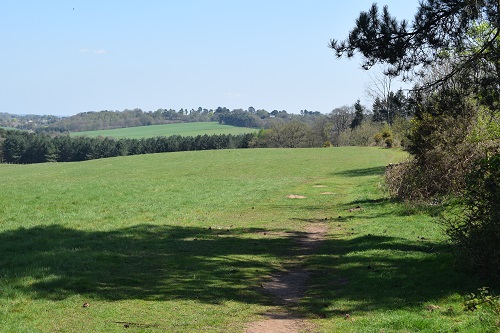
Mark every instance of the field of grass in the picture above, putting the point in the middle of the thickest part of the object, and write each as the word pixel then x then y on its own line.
pixel 183 129
pixel 181 242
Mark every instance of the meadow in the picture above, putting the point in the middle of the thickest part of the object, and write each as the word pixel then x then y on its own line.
pixel 183 129
pixel 181 242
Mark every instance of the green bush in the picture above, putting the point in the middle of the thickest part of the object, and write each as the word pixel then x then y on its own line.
pixel 476 232
pixel 389 142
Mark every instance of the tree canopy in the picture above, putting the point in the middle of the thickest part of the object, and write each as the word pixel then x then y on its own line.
pixel 441 29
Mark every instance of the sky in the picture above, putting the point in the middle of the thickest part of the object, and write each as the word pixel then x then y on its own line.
pixel 72 56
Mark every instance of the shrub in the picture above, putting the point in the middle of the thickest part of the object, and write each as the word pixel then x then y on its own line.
pixel 476 232
pixel 443 172
pixel 389 142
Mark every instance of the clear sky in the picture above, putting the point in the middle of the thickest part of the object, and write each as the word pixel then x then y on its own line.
pixel 71 56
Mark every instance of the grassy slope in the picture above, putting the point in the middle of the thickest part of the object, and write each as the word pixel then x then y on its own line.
pixel 184 129
pixel 171 242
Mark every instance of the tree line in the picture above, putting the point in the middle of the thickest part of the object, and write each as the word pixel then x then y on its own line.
pixel 103 120
pixel 22 147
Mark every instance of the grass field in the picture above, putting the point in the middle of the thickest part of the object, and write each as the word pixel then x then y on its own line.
pixel 183 129
pixel 174 243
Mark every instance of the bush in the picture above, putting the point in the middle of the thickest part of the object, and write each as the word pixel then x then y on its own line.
pixel 389 142
pixel 476 232
pixel 385 137
pixel 442 173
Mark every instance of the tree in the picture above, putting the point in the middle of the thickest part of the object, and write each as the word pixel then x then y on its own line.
pixel 340 119
pixel 439 26
pixel 358 115
pixel 263 114
pixel 392 106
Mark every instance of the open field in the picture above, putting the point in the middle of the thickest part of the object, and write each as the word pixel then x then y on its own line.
pixel 181 242
pixel 183 129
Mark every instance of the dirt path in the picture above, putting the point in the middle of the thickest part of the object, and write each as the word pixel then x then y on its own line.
pixel 289 287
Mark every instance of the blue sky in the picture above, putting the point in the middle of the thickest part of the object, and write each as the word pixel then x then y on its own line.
pixel 66 57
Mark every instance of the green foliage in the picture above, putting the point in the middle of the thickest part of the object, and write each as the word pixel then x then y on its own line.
pixel 486 127
pixel 108 120
pixel 440 145
pixel 401 128
pixel 26 122
pixel 482 299
pixel 24 148
pixel 389 142
pixel 387 137
pixel 358 115
pixel 384 137
pixel 476 231
pixel 486 304
pixel 438 26
pixel 391 107
pixel 292 134
pixel 362 135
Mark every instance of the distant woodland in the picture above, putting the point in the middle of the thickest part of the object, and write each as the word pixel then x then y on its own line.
pixel 37 139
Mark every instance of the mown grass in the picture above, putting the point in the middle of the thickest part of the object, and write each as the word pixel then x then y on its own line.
pixel 183 129
pixel 180 242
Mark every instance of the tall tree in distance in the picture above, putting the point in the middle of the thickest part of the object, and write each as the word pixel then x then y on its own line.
pixel 358 115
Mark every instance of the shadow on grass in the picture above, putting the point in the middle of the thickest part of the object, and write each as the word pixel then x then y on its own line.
pixel 142 262
pixel 394 207
pixel 365 273
pixel 374 171
pixel 160 263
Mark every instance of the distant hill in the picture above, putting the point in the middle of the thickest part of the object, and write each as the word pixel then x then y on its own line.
pixel 183 129
pixel 26 121
pixel 106 120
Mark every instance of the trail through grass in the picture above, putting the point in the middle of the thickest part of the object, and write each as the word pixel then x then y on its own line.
pixel 181 242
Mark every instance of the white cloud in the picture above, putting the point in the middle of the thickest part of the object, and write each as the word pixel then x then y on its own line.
pixel 101 51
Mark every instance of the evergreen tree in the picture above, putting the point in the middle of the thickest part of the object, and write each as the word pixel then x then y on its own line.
pixel 440 30
pixel 358 115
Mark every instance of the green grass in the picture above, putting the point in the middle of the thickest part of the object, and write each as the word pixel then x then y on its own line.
pixel 183 129
pixel 174 243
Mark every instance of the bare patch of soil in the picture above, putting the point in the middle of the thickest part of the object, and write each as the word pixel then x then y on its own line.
pixel 289 287
pixel 279 323
pixel 319 186
pixel 294 196
pixel 328 193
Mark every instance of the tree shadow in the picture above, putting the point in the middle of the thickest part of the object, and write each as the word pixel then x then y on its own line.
pixel 161 263
pixel 142 262
pixel 393 207
pixel 373 171
pixel 381 272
